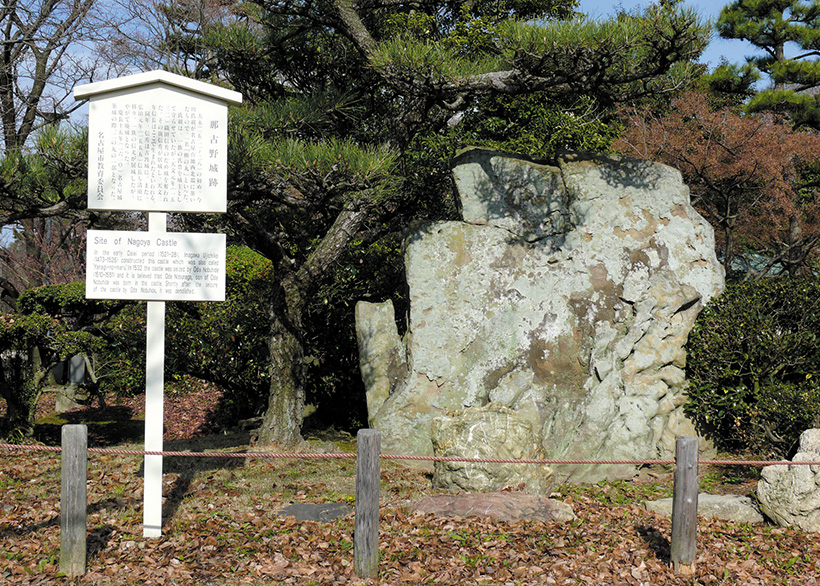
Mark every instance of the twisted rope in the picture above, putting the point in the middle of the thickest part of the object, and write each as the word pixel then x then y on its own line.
pixel 271 455
pixel 522 461
pixel 119 452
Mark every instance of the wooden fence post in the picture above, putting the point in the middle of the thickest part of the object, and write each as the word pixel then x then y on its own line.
pixel 73 499
pixel 685 507
pixel 366 528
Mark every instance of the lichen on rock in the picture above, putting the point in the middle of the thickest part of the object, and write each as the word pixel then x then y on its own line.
pixel 492 431
pixel 566 295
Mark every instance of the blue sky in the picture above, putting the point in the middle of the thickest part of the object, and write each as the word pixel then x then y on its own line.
pixel 735 51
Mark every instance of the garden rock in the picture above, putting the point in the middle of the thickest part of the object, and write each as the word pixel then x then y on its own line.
pixel 500 506
pixel 790 495
pixel 566 294
pixel 322 512
pixel 382 356
pixel 728 507
pixel 492 431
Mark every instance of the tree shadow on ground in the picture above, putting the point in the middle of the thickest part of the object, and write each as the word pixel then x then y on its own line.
pixel 107 426
pixel 656 541
pixel 98 539
pixel 189 467
pixel 54 521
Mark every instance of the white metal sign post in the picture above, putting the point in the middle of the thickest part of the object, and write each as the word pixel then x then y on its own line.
pixel 157 143
pixel 154 403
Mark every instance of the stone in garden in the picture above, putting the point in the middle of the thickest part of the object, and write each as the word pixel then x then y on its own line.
pixel 492 431
pixel 728 507
pixel 322 512
pixel 790 495
pixel 500 506
pixel 566 294
pixel 71 396
pixel 382 356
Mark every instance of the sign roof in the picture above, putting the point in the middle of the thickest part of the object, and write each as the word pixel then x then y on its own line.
pixel 158 77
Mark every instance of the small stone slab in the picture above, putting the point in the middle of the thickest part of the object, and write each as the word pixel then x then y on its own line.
pixel 500 506
pixel 739 509
pixel 322 512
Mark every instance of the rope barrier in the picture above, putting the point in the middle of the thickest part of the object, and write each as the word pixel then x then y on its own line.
pixel 522 461
pixel 756 463
pixel 271 455
pixel 36 448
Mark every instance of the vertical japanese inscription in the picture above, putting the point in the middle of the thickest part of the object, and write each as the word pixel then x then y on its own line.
pixel 158 151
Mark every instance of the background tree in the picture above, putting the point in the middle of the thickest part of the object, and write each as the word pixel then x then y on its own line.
pixel 42 196
pixel 46 51
pixel 41 251
pixel 343 98
pixel 730 85
pixel 746 174
pixel 169 34
pixel 42 203
pixel 775 26
pixel 48 46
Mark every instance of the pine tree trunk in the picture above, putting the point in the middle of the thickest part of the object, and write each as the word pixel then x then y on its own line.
pixel 282 422
pixel 283 419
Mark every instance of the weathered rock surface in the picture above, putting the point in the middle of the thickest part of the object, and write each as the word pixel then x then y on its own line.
pixel 727 507
pixel 380 351
pixel 790 495
pixel 492 431
pixel 566 294
pixel 501 506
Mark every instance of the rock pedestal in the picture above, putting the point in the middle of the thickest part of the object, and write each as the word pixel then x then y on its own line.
pixel 566 295
pixel 490 432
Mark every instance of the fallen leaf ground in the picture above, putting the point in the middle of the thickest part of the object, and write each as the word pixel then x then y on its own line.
pixel 222 525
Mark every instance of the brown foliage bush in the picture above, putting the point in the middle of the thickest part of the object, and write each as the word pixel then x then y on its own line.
pixel 749 175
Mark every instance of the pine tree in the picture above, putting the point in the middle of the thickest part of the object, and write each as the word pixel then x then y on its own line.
pixel 344 133
pixel 774 26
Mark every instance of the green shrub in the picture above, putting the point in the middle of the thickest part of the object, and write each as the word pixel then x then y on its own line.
pixel 31 344
pixel 367 271
pixel 227 342
pixel 122 359
pixel 55 299
pixel 753 364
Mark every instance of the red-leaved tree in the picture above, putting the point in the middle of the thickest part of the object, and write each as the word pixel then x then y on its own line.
pixel 749 175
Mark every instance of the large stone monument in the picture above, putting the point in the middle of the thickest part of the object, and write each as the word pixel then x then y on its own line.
pixel 566 295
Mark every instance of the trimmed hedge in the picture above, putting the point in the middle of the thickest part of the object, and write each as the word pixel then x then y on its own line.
pixel 753 364
pixel 47 331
